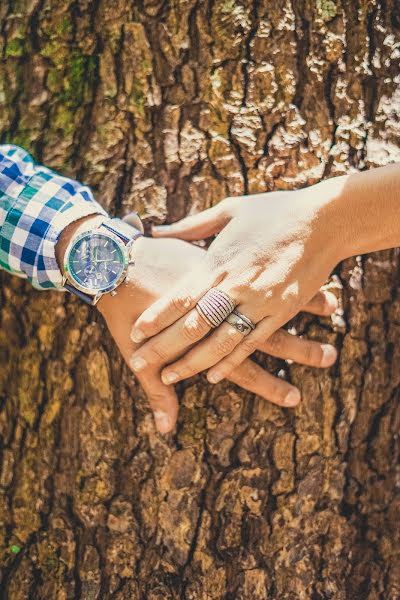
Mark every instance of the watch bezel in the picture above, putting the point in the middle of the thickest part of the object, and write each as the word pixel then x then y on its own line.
pixel 125 249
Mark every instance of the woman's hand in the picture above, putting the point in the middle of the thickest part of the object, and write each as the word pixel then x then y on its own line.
pixel 158 263
pixel 273 254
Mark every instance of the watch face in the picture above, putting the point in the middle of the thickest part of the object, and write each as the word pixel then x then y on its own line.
pixel 96 262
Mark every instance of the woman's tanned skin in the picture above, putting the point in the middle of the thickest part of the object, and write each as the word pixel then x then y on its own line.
pixel 272 254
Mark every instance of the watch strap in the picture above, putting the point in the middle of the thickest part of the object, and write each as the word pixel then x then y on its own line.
pixel 88 298
pixel 123 230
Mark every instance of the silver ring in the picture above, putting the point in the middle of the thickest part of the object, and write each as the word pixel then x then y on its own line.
pixel 240 322
pixel 215 306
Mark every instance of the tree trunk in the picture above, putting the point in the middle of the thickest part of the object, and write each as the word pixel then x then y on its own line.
pixel 167 107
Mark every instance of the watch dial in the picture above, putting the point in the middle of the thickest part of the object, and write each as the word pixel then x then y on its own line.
pixel 96 262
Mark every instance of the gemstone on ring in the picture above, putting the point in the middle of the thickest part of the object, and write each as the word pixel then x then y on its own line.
pixel 215 306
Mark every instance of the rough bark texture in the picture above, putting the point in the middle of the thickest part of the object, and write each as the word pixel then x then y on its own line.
pixel 167 107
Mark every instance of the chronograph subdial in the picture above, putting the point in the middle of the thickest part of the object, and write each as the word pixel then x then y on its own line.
pixel 97 261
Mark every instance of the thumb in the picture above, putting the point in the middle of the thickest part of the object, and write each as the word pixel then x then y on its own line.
pixel 196 227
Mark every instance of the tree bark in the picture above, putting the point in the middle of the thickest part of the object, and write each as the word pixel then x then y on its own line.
pixel 166 108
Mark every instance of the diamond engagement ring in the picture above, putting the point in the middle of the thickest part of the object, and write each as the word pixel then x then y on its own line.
pixel 215 306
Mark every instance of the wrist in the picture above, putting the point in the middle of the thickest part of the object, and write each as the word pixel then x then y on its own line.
pixel 367 210
pixel 333 230
pixel 137 273
pixel 138 282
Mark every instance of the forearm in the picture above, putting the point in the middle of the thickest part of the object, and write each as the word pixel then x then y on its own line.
pixel 36 206
pixel 363 210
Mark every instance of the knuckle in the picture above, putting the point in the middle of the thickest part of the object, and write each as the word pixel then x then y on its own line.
pixel 157 354
pixel 312 353
pixel 248 346
pixel 225 346
pixel 186 369
pixel 182 302
pixel 215 261
pixel 276 342
pixel 150 324
pixel 240 288
pixel 194 328
pixel 157 399
pixel 248 376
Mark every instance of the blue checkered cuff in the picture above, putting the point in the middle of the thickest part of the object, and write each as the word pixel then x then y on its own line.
pixel 36 204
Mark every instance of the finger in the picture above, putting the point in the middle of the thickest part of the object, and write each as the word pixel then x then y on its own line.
pixel 205 354
pixel 209 352
pixel 175 304
pixel 170 343
pixel 280 344
pixel 195 227
pixel 253 378
pixel 264 329
pixel 162 399
pixel 306 352
pixel 323 304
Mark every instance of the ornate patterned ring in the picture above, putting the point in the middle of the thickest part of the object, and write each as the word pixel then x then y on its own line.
pixel 215 306
pixel 240 322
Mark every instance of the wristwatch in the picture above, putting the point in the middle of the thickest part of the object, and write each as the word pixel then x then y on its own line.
pixel 96 261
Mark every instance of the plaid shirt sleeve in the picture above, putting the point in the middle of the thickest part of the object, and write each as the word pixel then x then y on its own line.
pixel 36 204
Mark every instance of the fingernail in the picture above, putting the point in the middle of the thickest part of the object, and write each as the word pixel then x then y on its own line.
pixel 214 377
pixel 138 363
pixel 137 335
pixel 169 377
pixel 292 398
pixel 329 355
pixel 162 421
